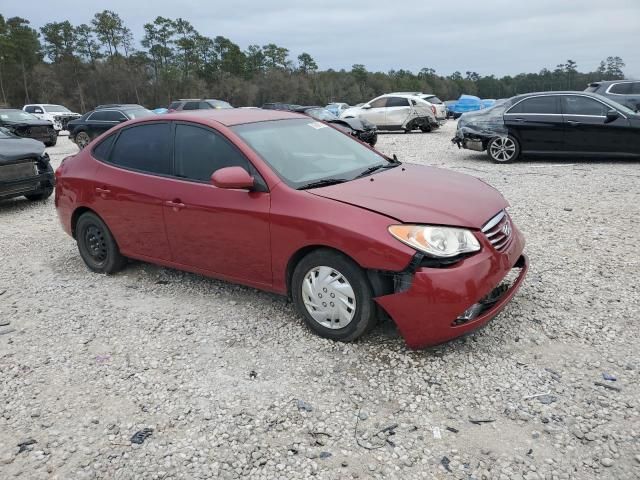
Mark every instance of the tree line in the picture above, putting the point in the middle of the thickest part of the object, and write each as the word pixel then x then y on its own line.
pixel 81 66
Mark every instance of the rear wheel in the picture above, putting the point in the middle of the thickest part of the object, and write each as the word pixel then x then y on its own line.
pixel 97 247
pixel 82 139
pixel 425 128
pixel 333 295
pixel 504 149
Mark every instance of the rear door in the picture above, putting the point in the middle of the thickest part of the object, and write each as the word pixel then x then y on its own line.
pixel 133 184
pixel 587 130
pixel 537 123
pixel 374 111
pixel 397 111
pixel 223 231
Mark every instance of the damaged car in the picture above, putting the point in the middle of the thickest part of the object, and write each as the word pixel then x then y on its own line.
pixel 552 124
pixel 24 168
pixel 284 203
pixel 402 111
pixel 23 124
pixel 357 127
pixel 56 114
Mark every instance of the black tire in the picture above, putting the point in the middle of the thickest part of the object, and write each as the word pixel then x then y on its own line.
pixel 52 142
pixel 505 149
pixel 364 318
pixel 37 197
pixel 426 128
pixel 97 247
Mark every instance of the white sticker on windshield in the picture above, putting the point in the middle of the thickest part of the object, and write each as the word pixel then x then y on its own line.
pixel 317 125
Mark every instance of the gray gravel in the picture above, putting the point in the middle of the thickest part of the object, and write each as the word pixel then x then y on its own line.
pixel 233 386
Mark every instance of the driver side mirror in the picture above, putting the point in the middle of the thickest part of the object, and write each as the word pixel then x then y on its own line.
pixel 236 178
pixel 612 115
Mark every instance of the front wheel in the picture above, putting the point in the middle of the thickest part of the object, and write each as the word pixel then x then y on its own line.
pixel 38 197
pixel 82 139
pixel 504 149
pixel 333 295
pixel 97 246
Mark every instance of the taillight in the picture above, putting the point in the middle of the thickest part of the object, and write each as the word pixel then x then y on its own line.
pixel 433 109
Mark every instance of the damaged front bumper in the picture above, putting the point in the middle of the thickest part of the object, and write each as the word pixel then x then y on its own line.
pixel 439 304
pixel 26 178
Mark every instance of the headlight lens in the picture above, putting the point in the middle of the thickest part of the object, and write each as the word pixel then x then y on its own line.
pixel 443 242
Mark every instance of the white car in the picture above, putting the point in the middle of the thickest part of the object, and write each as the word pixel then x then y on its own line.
pixel 56 114
pixel 401 111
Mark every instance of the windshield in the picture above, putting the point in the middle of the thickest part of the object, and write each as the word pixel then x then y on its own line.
pixel 306 151
pixel 219 104
pixel 321 114
pixel 139 112
pixel 56 108
pixel 17 116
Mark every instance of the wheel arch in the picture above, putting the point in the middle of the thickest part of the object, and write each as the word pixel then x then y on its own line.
pixel 76 215
pixel 381 284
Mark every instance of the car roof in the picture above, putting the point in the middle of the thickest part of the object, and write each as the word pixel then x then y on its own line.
pixel 609 82
pixel 231 116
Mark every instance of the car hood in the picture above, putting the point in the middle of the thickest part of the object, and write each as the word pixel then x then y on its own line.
pixel 419 194
pixel 28 123
pixel 16 150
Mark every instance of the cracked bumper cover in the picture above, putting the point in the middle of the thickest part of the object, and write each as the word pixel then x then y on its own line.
pixel 426 312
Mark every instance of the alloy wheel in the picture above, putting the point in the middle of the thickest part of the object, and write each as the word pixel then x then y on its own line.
pixel 328 297
pixel 82 140
pixel 502 149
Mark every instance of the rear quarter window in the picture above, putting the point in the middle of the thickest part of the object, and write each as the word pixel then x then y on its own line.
pixel 101 152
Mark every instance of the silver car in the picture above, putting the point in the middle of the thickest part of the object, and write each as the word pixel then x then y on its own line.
pixel 402 111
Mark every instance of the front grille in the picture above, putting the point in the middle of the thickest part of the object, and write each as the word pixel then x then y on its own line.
pixel 499 231
pixel 38 131
pixel 18 171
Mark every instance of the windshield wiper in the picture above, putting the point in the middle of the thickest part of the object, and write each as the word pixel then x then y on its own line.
pixel 323 183
pixel 375 168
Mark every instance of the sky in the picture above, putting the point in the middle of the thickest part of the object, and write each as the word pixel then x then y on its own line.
pixel 501 37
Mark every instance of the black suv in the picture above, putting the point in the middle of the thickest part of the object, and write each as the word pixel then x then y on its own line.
pixel 626 92
pixel 197 104
pixel 93 124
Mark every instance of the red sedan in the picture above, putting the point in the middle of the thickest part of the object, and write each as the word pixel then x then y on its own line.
pixel 280 202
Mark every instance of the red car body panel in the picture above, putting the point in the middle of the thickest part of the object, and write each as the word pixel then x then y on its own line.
pixel 252 237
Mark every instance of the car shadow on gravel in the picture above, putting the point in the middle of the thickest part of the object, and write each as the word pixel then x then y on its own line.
pixel 19 204
pixel 551 161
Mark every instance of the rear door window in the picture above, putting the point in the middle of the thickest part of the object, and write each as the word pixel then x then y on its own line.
pixel 547 105
pixel 621 88
pixel 191 106
pixel 199 152
pixel 174 106
pixel 635 88
pixel 397 102
pixel 30 109
pixel 146 148
pixel 576 105
pixel 101 152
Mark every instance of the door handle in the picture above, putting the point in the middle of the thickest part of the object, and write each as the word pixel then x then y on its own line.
pixel 519 119
pixel 176 204
pixel 103 191
pixel 573 123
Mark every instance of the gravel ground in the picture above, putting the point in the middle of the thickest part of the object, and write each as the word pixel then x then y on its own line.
pixel 234 386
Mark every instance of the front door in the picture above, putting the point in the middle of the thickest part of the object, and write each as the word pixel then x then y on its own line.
pixel 398 110
pixel 537 124
pixel 134 181
pixel 375 111
pixel 586 128
pixel 222 231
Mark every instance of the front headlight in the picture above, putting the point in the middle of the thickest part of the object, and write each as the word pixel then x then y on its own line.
pixel 443 242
